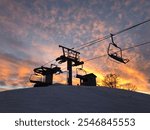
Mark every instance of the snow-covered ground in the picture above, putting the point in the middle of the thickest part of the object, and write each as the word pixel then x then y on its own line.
pixel 60 98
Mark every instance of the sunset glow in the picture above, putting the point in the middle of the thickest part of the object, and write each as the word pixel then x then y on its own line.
pixel 31 31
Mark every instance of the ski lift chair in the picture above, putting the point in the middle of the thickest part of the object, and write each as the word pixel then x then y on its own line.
pixel 43 76
pixel 36 78
pixel 116 55
pixel 77 72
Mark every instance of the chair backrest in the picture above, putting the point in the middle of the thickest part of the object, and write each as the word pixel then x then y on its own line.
pixel 116 55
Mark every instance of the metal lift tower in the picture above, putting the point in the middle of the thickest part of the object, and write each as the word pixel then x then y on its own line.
pixel 72 58
pixel 43 76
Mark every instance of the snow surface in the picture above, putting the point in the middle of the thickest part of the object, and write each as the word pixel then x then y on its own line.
pixel 64 99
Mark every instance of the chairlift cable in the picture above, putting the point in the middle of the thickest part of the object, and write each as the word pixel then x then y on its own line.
pixel 117 51
pixel 102 39
pixel 108 36
pixel 48 62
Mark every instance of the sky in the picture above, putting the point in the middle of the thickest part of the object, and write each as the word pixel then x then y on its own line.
pixel 32 30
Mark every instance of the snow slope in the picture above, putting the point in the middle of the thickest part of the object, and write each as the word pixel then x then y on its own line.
pixel 59 98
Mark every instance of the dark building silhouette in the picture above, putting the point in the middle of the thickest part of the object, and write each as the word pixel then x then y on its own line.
pixel 87 80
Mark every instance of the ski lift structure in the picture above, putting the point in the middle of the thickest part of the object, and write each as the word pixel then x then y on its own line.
pixel 43 76
pixel 72 58
pixel 117 55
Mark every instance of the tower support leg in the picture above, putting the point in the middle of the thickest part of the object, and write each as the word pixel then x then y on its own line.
pixel 69 68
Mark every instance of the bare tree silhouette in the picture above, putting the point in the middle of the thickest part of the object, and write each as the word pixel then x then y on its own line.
pixel 111 80
pixel 129 86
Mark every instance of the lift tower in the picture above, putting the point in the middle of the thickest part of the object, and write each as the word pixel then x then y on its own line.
pixel 72 58
pixel 43 76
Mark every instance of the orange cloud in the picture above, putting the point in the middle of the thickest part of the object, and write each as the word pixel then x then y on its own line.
pixel 39 30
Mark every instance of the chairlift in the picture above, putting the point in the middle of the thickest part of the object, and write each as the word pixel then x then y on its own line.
pixel 118 54
pixel 80 69
pixel 36 78
pixel 43 76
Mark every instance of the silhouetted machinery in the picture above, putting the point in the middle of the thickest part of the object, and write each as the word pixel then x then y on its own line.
pixel 72 58
pixel 43 76
pixel 118 54
pixel 87 79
